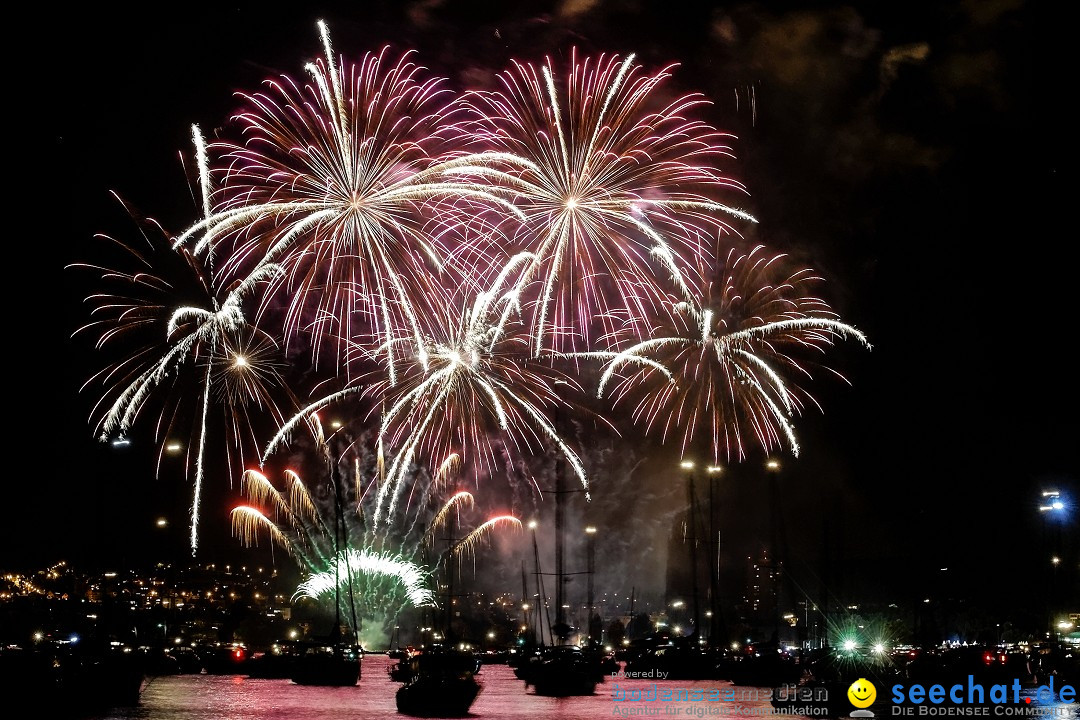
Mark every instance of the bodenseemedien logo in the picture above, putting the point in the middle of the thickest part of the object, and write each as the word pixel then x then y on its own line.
pixel 862 695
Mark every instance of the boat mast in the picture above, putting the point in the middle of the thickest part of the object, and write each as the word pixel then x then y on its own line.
pixel 716 621
pixel 450 567
pixel 560 628
pixel 692 537
pixel 541 596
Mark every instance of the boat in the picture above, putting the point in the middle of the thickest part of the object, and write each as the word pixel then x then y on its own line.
pixel 562 671
pixel 438 682
pixel 330 663
pixel 677 659
pixel 58 679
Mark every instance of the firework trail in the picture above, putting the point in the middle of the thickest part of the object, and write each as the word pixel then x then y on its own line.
pixel 730 360
pixel 454 504
pixel 606 176
pixel 188 332
pixel 329 183
pixel 470 542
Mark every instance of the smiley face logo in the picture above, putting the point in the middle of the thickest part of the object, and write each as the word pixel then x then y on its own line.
pixel 861 693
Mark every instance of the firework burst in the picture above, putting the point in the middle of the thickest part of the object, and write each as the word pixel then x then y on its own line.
pixel 365 564
pixel 329 183
pixel 187 332
pixel 730 362
pixel 381 569
pixel 471 380
pixel 439 258
pixel 606 175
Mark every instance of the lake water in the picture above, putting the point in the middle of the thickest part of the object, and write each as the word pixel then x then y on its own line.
pixel 224 697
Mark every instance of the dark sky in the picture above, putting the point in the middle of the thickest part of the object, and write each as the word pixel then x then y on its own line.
pixel 911 153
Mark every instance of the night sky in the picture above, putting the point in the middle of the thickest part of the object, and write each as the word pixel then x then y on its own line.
pixel 910 153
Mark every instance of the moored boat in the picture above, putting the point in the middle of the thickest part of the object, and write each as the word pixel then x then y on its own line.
pixel 438 683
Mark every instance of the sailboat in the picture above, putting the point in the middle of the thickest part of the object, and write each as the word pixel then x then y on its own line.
pixel 439 681
pixel 336 659
pixel 560 670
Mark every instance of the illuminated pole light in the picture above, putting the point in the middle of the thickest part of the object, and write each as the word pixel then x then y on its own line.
pixel 1052 500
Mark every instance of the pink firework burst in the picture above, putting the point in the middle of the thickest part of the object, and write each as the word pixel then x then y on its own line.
pixel 728 365
pixel 614 182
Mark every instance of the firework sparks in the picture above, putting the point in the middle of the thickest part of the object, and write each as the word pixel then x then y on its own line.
pixel 604 177
pixel 361 564
pixel 380 579
pixel 476 381
pixel 470 542
pixel 446 255
pixel 248 521
pixel 193 345
pixel 726 361
pixel 327 183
